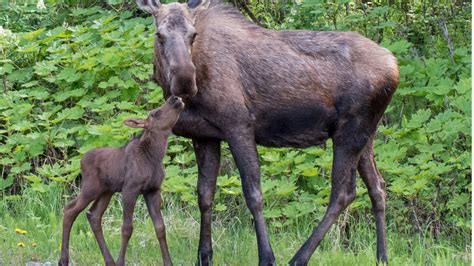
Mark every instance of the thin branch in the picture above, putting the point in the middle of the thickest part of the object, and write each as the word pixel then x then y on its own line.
pixel 249 13
pixel 445 32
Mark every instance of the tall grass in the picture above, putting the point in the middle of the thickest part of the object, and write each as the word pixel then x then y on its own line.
pixel 40 214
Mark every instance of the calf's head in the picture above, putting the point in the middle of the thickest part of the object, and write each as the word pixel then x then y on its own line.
pixel 175 34
pixel 160 119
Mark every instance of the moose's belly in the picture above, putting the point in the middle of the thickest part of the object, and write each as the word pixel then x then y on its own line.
pixel 295 126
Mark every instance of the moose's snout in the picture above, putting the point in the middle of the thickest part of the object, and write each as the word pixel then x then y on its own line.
pixel 183 80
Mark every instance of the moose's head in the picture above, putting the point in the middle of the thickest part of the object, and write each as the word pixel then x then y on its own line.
pixel 175 34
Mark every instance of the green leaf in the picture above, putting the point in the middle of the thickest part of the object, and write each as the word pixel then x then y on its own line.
pixel 459 201
pixel 68 74
pixel 6 69
pixel 398 47
pixel 44 68
pixel 232 181
pixel 271 157
pixel 285 189
pixel 313 171
pixel 6 183
pixel 20 75
pixel 69 114
pixel 419 118
pixel 220 207
pixel 33 178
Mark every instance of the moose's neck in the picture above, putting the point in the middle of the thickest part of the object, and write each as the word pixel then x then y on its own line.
pixel 152 146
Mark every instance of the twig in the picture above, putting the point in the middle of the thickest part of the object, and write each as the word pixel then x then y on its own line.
pixel 249 13
pixel 445 32
pixel 417 222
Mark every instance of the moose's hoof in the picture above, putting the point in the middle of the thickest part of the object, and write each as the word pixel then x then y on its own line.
pixel 63 262
pixel 204 259
pixel 296 261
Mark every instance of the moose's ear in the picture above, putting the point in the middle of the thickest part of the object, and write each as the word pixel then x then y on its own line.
pixel 135 122
pixel 198 3
pixel 150 6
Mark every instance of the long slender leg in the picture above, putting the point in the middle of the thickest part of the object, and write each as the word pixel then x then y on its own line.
pixel 94 215
pixel 208 159
pixel 342 194
pixel 244 150
pixel 129 200
pixel 376 187
pixel 153 203
pixel 71 210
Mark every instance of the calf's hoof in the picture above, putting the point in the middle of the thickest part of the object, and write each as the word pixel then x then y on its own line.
pixel 382 261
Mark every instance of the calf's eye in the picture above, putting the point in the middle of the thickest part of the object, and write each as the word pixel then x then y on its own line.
pixel 156 114
pixel 160 37
pixel 193 37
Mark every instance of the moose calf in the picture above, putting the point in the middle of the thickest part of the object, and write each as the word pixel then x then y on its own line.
pixel 133 169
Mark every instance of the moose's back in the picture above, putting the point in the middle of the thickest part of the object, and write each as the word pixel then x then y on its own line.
pixel 295 83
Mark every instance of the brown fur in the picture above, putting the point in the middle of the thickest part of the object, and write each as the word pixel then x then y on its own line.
pixel 274 88
pixel 133 169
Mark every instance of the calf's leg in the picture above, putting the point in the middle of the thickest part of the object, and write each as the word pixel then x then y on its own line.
pixel 376 187
pixel 153 203
pixel 208 159
pixel 129 200
pixel 94 215
pixel 71 210
pixel 242 145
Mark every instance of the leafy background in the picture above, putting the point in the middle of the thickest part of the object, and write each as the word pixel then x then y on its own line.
pixel 71 73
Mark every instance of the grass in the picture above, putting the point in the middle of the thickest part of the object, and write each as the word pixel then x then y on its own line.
pixel 233 237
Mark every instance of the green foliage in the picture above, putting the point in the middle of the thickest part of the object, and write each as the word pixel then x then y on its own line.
pixel 70 76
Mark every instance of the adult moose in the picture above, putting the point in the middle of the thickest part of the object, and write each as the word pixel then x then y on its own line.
pixel 248 85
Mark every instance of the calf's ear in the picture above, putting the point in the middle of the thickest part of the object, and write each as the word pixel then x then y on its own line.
pixel 150 6
pixel 135 122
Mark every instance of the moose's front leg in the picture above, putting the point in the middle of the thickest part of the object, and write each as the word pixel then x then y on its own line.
pixel 208 159
pixel 242 144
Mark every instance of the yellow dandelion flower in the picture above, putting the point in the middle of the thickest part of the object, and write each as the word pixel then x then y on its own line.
pixel 34 245
pixel 20 231
pixel 21 245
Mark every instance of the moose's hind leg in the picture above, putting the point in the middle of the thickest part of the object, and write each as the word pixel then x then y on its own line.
pixel 349 141
pixel 376 187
